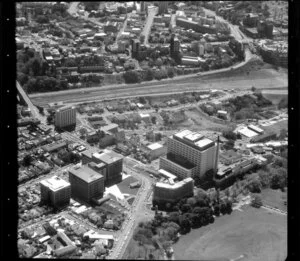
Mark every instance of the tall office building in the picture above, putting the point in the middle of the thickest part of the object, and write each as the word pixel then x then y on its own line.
pixel 86 183
pixel 65 117
pixel 164 192
pixel 114 166
pixel 55 191
pixel 143 6
pixel 162 7
pixel 135 47
pixel 174 46
pixel 189 154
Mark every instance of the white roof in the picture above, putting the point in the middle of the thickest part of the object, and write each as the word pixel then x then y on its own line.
pixel 222 112
pixel 193 136
pixel 247 132
pixel 55 183
pixel 255 128
pixel 175 186
pixel 167 174
pixel 154 146
pixel 183 133
pixel 203 142
pixel 43 239
pixel 98 236
pixel 144 115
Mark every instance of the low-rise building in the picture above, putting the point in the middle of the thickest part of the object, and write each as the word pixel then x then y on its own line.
pixel 164 193
pixel 155 150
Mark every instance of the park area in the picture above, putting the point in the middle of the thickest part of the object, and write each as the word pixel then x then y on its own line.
pixel 257 234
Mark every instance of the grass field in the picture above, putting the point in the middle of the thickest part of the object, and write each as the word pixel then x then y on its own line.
pixel 198 120
pixel 255 233
pixel 274 198
pixel 276 127
pixel 274 96
pixel 124 186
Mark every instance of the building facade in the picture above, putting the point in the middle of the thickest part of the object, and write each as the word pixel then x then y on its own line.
pixel 189 154
pixel 86 183
pixel 164 192
pixel 65 117
pixel 114 166
pixel 162 7
pixel 55 191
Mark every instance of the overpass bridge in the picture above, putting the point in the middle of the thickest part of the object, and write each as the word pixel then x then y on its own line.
pixel 24 97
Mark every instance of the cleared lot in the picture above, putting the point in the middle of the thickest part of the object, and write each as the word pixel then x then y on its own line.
pixel 254 233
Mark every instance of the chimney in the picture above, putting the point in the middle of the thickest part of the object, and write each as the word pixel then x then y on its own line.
pixel 217 155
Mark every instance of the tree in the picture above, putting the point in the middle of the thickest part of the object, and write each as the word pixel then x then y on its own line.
pixel 42 19
pixel 149 75
pixel 283 133
pixel 132 77
pixel 279 179
pixel 254 186
pixel 83 131
pixel 27 160
pixel 256 201
pixel 153 120
pixel 230 135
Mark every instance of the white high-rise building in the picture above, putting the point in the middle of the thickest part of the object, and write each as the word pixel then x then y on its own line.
pixel 189 154
pixel 65 117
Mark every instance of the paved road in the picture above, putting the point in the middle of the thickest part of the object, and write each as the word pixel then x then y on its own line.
pixel 139 207
pixel 148 25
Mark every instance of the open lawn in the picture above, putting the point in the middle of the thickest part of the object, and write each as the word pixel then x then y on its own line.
pixel 255 233
pixel 275 96
pixel 124 186
pixel 274 198
pixel 198 120
pixel 276 127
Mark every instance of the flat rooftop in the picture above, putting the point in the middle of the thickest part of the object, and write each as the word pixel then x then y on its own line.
pixel 85 173
pixel 166 174
pixel 175 185
pixel 64 108
pixel 55 183
pixel 154 146
pixel 108 157
pixel 194 138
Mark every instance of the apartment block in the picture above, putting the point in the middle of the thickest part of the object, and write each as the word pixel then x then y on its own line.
pixel 65 117
pixel 55 191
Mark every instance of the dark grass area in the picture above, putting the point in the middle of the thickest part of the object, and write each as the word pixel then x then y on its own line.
pixel 124 186
pixel 274 198
pixel 255 233
pixel 276 127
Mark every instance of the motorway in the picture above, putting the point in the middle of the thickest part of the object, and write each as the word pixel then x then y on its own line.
pixel 262 79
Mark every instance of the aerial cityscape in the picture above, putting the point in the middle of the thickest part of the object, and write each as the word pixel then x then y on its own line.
pixel 152 130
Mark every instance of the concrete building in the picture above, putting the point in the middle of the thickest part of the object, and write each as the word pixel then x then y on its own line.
pixel 65 117
pixel 55 191
pixel 114 166
pixel 174 46
pixel 164 193
pixel 86 183
pixel 189 154
pixel 162 7
pixel 155 150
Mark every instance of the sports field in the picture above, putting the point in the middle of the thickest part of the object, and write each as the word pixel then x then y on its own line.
pixel 257 234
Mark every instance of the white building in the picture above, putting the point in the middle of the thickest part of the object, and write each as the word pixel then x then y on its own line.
pixel 156 150
pixel 65 117
pixel 56 191
pixel 189 154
